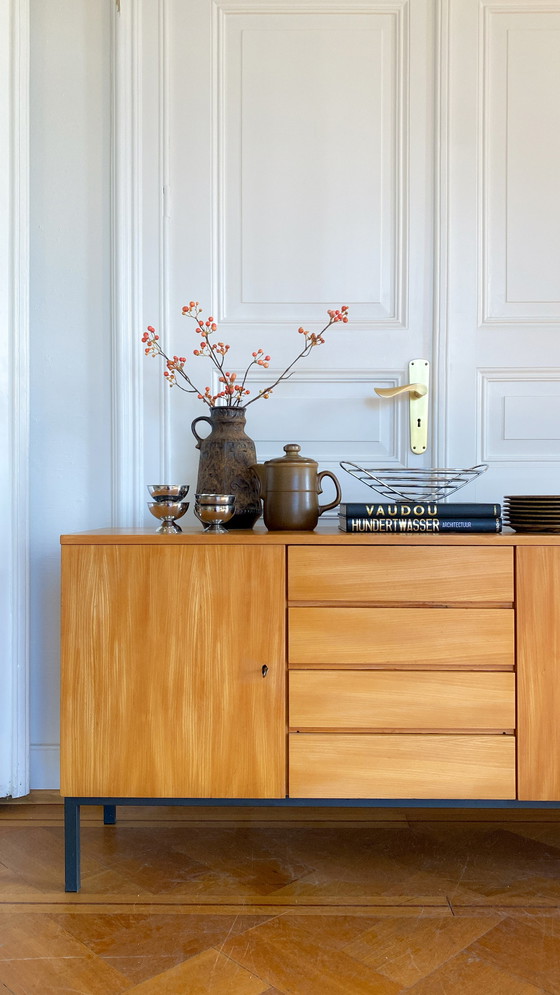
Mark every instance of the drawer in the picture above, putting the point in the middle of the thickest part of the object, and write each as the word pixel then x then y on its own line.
pixel 374 700
pixel 420 637
pixel 401 766
pixel 393 574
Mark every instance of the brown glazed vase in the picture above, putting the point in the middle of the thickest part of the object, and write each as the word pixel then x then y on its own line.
pixel 226 455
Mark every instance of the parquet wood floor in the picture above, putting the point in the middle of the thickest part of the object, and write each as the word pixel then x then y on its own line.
pixel 181 901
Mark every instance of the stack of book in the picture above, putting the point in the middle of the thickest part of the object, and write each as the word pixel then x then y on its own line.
pixel 414 517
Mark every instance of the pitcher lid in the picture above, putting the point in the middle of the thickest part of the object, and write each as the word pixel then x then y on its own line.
pixel 292 456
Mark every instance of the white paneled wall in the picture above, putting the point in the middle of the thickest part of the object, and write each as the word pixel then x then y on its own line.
pixel 70 323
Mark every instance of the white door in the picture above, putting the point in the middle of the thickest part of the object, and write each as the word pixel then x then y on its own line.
pixel 294 145
pixel 400 157
pixel 503 219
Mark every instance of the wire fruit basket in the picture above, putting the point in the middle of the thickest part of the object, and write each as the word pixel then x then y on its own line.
pixel 405 484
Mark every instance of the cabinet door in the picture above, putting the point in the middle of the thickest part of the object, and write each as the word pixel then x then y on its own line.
pixel 163 650
pixel 538 672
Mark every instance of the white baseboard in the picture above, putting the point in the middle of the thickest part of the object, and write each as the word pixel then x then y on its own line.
pixel 45 765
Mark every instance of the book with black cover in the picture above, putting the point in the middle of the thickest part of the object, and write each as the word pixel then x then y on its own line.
pixel 430 526
pixel 419 509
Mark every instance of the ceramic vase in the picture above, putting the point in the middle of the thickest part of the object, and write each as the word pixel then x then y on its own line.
pixel 226 457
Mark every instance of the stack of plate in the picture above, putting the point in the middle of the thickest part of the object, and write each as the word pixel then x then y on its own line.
pixel 532 512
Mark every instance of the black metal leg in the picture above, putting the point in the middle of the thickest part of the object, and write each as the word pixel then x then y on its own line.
pixel 72 844
pixel 109 815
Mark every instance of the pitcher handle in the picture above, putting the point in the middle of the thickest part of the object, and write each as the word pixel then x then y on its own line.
pixel 198 437
pixel 258 480
pixel 333 504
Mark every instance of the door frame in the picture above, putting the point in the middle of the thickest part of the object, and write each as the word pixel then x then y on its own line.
pixel 14 397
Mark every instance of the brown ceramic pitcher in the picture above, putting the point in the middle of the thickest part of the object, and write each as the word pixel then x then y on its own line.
pixel 290 488
pixel 226 456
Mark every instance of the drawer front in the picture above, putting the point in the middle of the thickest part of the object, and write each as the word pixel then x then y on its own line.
pixel 420 637
pixel 405 766
pixel 392 574
pixel 400 701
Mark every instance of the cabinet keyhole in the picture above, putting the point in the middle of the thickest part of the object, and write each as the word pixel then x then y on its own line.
pixel 264 670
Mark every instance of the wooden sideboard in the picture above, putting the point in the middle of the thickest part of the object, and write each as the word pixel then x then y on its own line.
pixel 261 665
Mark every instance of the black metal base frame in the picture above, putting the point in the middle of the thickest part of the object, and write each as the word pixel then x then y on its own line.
pixel 72 813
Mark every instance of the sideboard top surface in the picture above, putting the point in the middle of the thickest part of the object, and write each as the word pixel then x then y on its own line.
pixel 326 534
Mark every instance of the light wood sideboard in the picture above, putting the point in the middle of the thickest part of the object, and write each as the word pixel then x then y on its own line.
pixel 287 666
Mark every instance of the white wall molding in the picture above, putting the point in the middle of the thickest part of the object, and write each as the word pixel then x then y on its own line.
pixel 439 412
pixel 310 6
pixel 232 23
pixel 510 161
pixel 127 420
pixel 519 415
pixel 140 217
pixel 14 399
pixel 164 188
pixel 521 6
pixel 368 430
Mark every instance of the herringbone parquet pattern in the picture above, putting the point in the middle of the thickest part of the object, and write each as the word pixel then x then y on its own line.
pixel 318 902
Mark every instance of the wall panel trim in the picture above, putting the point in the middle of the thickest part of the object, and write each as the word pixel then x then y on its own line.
pixel 395 314
pixel 440 348
pixel 127 394
pixel 487 418
pixel 14 397
pixel 495 310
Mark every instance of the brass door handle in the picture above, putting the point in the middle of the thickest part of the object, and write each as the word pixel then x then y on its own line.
pixel 415 390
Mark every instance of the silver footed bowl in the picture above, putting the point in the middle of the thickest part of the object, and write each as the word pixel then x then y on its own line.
pixel 215 498
pixel 214 509
pixel 168 492
pixel 168 512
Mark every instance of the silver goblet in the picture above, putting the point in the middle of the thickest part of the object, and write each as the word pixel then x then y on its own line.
pixel 213 509
pixel 168 512
pixel 168 492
